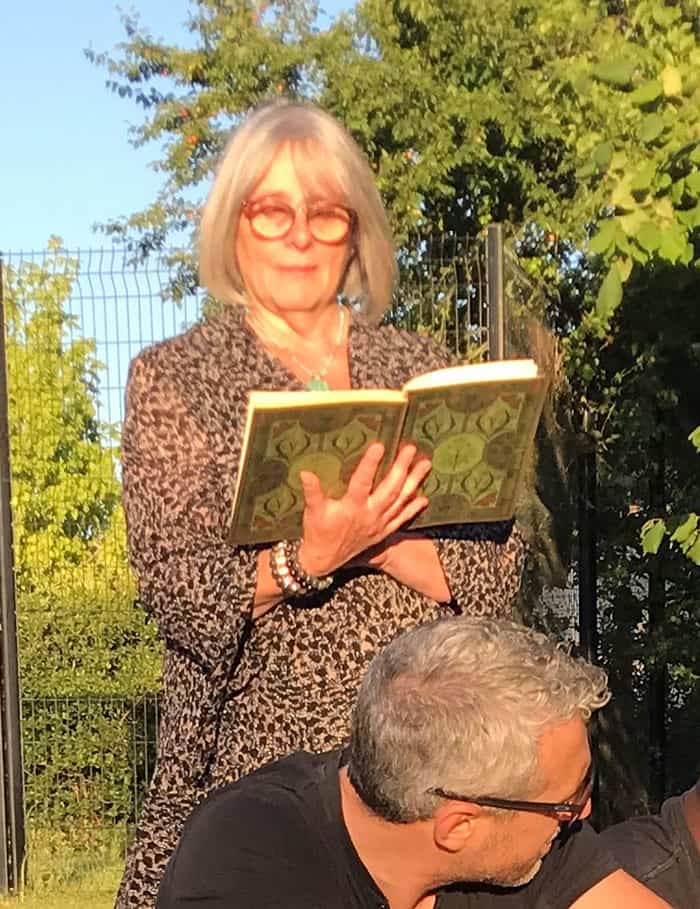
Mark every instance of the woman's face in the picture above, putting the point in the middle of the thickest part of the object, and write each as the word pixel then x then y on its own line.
pixel 295 273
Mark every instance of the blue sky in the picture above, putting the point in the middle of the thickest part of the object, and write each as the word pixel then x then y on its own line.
pixel 65 158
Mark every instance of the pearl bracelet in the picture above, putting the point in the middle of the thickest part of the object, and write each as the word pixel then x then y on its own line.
pixel 289 575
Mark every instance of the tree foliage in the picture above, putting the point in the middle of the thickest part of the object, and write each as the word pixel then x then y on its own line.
pixel 684 531
pixel 83 646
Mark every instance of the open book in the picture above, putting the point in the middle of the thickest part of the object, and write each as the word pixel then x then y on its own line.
pixel 475 422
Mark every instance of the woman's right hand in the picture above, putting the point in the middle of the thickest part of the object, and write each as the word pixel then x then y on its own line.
pixel 336 530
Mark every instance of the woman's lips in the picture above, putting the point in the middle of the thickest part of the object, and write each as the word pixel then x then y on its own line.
pixel 297 269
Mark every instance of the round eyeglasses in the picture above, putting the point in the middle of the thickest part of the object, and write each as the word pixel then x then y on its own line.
pixel 273 220
pixel 564 812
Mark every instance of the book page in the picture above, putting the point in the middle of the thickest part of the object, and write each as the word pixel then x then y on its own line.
pixel 279 400
pixel 473 373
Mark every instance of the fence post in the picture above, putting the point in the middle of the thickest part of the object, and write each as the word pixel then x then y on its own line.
pixel 12 833
pixel 494 292
pixel 588 556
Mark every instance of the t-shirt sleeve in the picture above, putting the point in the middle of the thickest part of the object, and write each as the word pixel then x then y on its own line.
pixel 659 851
pixel 247 849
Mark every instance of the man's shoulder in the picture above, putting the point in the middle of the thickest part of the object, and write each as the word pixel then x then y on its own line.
pixel 652 846
pixel 300 779
pixel 259 839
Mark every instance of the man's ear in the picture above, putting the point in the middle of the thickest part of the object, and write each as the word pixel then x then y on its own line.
pixel 454 823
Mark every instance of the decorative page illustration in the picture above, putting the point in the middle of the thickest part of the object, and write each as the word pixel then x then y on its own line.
pixel 326 441
pixel 476 437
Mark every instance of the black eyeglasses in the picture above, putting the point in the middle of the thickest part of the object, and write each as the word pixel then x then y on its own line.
pixel 273 219
pixel 565 812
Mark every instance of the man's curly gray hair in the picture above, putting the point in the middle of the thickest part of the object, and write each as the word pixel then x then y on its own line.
pixel 461 703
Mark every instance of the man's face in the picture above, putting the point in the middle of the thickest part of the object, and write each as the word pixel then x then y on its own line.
pixel 518 840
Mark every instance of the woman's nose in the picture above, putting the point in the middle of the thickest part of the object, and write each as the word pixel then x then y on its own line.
pixel 300 235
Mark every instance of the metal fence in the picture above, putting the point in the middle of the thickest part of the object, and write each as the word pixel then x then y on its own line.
pixel 89 661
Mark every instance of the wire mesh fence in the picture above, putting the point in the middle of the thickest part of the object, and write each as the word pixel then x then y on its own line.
pixel 89 660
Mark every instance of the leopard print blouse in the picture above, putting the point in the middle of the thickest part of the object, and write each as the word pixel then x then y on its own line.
pixel 237 693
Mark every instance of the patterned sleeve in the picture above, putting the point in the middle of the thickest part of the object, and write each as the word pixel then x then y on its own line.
pixel 482 562
pixel 198 588
pixel 483 574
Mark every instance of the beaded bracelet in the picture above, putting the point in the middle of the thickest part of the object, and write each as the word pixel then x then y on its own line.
pixel 279 568
pixel 289 575
pixel 300 575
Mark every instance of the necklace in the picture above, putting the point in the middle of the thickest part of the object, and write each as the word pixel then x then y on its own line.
pixel 316 378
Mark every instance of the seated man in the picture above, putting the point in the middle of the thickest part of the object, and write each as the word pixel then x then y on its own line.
pixel 468 754
pixel 663 850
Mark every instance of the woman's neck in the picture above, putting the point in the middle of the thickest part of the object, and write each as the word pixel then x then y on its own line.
pixel 305 332
pixel 305 326
pixel 319 359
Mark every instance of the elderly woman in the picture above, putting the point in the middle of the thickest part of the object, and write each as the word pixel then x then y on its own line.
pixel 293 224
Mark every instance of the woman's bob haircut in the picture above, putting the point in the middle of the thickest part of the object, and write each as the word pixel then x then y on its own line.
pixel 330 164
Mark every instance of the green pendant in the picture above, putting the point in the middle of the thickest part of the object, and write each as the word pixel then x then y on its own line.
pixel 315 384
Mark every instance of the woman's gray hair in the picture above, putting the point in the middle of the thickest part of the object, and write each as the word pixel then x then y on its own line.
pixel 329 160
pixel 460 704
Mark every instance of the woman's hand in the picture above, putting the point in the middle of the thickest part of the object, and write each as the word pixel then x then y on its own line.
pixel 336 530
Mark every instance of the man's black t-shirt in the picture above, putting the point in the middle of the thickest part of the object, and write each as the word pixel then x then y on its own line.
pixel 660 852
pixel 277 839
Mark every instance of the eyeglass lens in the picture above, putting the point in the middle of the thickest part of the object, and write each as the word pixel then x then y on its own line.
pixel 326 223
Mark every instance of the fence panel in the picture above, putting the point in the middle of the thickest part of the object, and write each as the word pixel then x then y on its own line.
pixel 89 661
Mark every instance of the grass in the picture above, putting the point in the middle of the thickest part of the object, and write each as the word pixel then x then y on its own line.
pixel 77 869
pixel 95 891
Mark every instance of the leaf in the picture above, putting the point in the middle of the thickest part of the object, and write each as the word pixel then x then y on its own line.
pixel 604 238
pixel 647 93
pixel 692 182
pixel 671 81
pixel 624 266
pixel 673 243
pixel 649 236
pixel 644 178
pixel 664 15
pixel 663 210
pixel 678 191
pixel 603 155
pixel 615 72
pixel 681 534
pixel 632 222
pixel 694 552
pixel 586 170
pixel 652 127
pixel 694 437
pixel 653 533
pixel 610 293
